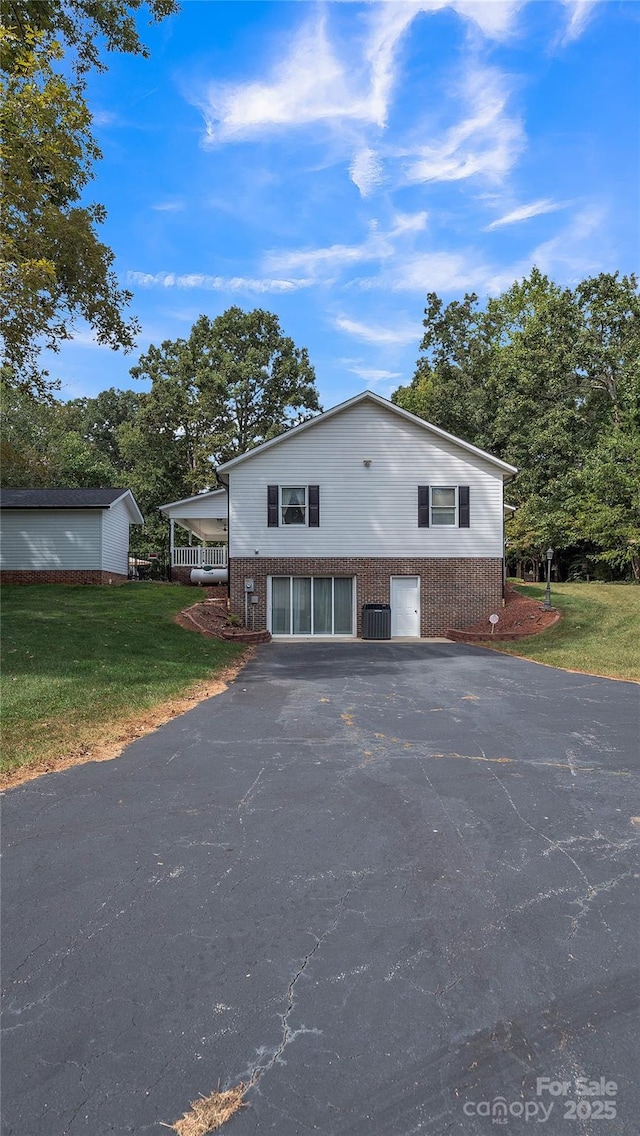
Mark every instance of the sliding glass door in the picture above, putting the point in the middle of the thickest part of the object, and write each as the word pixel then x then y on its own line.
pixel 312 605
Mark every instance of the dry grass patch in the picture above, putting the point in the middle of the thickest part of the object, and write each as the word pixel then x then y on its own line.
pixel 207 1114
pixel 87 669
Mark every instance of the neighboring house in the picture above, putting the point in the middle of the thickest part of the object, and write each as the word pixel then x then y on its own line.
pixel 363 504
pixel 66 536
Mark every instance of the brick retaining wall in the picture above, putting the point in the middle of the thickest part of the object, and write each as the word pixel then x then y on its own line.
pixel 455 592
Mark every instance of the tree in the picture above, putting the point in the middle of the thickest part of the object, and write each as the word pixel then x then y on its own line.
pixel 235 381
pixel 254 382
pixel 41 446
pixel 53 267
pixel 547 378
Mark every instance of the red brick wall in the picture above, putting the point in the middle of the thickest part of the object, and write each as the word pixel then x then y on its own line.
pixel 453 592
pixel 62 577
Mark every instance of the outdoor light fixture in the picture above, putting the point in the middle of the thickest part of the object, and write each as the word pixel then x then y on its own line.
pixel 367 462
pixel 547 595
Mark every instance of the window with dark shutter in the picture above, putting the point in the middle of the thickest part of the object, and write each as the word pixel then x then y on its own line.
pixel 313 493
pixel 463 506
pixel 423 506
pixel 272 506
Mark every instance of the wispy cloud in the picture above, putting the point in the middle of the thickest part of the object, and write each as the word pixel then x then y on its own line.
pixel 169 206
pixel 579 15
pixel 104 118
pixel 366 171
pixel 429 271
pixel 524 212
pixel 375 375
pixel 214 283
pixel 315 82
pixel 580 247
pixel 379 245
pixel 486 142
pixel 320 261
pixel 400 336
pixel 309 86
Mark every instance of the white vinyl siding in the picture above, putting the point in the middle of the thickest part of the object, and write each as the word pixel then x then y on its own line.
pixel 50 539
pixel 365 511
pixel 115 538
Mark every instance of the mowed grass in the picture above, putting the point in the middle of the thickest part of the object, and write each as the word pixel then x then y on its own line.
pixel 79 661
pixel 599 631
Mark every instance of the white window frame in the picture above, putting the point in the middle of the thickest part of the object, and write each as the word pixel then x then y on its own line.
pixel 333 635
pixel 454 523
pixel 305 507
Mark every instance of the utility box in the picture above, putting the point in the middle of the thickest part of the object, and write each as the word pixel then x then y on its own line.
pixel 376 621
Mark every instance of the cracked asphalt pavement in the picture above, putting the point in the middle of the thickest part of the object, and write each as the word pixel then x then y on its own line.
pixel 383 883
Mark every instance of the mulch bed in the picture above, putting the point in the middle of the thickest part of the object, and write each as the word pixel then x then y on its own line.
pixel 520 617
pixel 212 618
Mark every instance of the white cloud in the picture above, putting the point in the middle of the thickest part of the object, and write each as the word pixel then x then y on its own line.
pixel 315 83
pixel 524 212
pixel 310 85
pixel 486 142
pixel 366 171
pixel 104 118
pixel 579 248
pixel 579 15
pixel 432 271
pixel 409 223
pixel 169 206
pixel 399 336
pixel 214 283
pixel 332 258
pixel 375 375
pixel 378 245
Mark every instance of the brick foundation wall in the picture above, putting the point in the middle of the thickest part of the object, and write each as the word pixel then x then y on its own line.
pixel 63 576
pixel 453 592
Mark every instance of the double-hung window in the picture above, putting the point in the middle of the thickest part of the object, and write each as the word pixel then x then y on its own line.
pixel 443 505
pixel 293 504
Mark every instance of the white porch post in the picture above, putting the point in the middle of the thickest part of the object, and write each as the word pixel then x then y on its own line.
pixel 171 540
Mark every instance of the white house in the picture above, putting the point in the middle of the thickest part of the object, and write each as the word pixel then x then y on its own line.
pixel 365 503
pixel 66 536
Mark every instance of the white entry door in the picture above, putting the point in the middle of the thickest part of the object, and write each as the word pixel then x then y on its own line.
pixel 405 606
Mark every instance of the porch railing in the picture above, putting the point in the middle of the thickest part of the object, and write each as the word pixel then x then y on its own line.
pixel 196 557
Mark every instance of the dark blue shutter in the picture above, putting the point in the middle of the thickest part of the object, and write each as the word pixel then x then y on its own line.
pixel 463 506
pixel 423 506
pixel 313 492
pixel 272 506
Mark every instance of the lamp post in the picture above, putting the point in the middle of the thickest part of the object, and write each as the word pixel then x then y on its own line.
pixel 547 595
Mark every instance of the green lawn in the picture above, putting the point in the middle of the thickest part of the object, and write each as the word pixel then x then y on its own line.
pixel 79 661
pixel 599 631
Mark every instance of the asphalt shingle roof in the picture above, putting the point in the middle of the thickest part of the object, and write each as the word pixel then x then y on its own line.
pixel 58 498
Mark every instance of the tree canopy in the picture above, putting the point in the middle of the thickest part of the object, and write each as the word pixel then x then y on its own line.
pixel 547 378
pixel 232 383
pixel 53 267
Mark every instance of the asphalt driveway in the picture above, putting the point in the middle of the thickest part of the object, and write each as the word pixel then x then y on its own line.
pixel 388 884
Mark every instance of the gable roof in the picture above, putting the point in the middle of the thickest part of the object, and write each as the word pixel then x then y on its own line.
pixel 379 401
pixel 196 497
pixel 68 499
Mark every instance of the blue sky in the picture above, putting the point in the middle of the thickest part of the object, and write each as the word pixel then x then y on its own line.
pixel 334 162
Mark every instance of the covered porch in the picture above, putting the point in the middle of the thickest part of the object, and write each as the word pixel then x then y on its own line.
pixel 204 520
